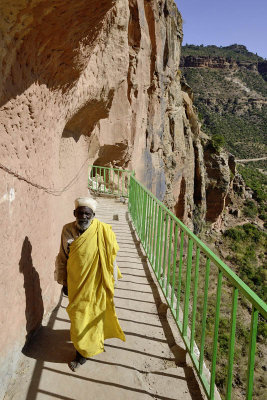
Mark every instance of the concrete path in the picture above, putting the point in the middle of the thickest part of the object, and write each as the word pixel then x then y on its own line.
pixel 149 365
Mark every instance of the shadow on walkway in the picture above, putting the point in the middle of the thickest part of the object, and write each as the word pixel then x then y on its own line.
pixel 48 345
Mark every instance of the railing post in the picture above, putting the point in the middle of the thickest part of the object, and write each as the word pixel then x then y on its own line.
pixel 109 186
pixel 204 317
pixel 144 216
pixel 154 227
pixel 165 247
pixel 161 243
pixel 148 226
pixel 215 337
pixel 169 257
pixel 187 288
pixel 158 241
pixel 231 346
pixel 113 181
pixel 130 197
pixel 194 313
pixel 174 263
pixel 180 276
pixel 252 351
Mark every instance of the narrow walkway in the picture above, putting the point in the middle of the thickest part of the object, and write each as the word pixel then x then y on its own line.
pixel 144 367
pixel 245 160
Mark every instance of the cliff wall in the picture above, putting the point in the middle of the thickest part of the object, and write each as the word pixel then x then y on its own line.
pixel 87 82
pixel 226 63
pixel 216 62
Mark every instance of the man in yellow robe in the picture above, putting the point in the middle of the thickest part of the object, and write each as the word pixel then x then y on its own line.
pixel 85 268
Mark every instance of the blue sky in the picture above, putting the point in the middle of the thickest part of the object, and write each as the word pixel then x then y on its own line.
pixel 224 22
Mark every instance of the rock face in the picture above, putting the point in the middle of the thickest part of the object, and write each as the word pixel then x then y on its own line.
pixel 220 62
pixel 208 62
pixel 262 68
pixel 86 82
pixel 217 62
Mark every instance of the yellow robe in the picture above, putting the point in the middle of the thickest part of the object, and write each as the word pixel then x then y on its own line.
pixel 91 289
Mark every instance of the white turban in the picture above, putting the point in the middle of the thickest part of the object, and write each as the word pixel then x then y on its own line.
pixel 86 202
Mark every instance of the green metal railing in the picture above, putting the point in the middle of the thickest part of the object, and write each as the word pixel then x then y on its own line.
pixel 162 235
pixel 183 265
pixel 113 181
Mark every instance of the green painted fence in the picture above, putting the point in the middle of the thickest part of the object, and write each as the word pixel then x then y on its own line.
pixel 113 181
pixel 185 268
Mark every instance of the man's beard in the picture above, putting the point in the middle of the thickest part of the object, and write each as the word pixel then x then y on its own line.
pixel 83 225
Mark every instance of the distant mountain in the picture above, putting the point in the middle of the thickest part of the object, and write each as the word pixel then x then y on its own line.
pixel 230 93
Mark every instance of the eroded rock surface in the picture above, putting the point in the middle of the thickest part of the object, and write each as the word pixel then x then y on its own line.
pixel 86 82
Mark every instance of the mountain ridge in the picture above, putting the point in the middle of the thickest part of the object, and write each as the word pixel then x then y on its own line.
pixel 228 57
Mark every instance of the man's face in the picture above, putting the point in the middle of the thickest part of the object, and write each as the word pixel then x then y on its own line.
pixel 83 217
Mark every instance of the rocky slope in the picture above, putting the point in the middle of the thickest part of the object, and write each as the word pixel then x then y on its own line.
pixel 230 93
pixel 97 77
pixel 230 89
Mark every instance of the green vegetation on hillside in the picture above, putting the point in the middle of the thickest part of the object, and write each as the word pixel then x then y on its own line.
pixel 235 52
pixel 230 102
pixel 247 245
pixel 253 81
pixel 256 181
pixel 224 109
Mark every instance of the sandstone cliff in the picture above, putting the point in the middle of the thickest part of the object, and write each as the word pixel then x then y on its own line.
pixel 221 62
pixel 97 77
pixel 231 57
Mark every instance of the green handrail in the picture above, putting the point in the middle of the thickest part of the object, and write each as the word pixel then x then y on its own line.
pixel 110 181
pixel 171 248
pixel 158 228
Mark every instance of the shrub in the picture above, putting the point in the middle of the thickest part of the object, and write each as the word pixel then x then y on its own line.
pixel 256 181
pixel 262 329
pixel 235 234
pixel 247 244
pixel 250 209
pixel 253 232
pixel 218 142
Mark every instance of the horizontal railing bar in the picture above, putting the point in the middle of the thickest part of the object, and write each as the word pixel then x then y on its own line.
pixel 233 278
pixel 114 169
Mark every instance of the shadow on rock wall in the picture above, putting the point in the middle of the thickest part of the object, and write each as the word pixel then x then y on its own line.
pixel 46 46
pixel 34 302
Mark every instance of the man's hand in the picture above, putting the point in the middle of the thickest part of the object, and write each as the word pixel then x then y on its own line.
pixel 65 290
